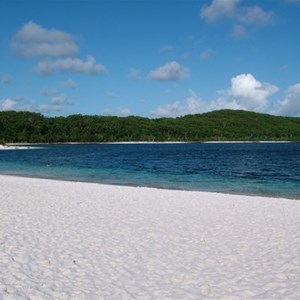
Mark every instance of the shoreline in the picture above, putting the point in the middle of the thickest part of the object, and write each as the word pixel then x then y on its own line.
pixel 140 187
pixel 268 196
pixel 16 147
pixel 67 240
pixel 9 145
pixel 32 146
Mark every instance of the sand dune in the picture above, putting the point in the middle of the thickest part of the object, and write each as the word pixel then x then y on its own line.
pixel 68 240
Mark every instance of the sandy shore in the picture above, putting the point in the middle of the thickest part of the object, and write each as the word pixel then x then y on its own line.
pixel 14 147
pixel 68 240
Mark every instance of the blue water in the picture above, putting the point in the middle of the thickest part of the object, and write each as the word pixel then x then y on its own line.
pixel 268 169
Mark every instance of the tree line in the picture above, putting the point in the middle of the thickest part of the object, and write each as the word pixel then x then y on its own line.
pixel 29 127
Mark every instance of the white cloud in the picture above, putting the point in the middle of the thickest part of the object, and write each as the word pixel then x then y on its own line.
pixel 6 79
pixel 168 110
pixel 256 15
pixel 15 103
pixel 69 84
pixel 9 104
pixel 125 112
pixel 32 40
pixel 245 93
pixel 248 93
pixel 219 9
pixel 107 112
pixel 65 65
pixel 231 10
pixel 55 49
pixel 60 100
pixel 290 105
pixel 57 105
pixel 192 105
pixel 170 71
pixel 49 109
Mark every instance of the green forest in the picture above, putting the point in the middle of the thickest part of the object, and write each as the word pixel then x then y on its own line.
pixel 229 125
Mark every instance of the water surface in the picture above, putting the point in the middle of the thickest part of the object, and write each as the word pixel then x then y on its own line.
pixel 268 169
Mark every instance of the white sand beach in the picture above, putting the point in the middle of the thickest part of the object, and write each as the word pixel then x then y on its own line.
pixel 15 147
pixel 68 240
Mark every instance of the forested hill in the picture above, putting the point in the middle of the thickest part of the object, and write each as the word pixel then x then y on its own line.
pixel 28 127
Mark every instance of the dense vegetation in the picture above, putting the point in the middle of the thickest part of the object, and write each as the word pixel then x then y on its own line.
pixel 28 127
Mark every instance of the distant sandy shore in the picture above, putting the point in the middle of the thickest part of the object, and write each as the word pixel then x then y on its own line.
pixel 23 145
pixel 69 240
pixel 14 147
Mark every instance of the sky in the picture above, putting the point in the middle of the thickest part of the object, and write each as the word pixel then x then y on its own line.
pixel 150 58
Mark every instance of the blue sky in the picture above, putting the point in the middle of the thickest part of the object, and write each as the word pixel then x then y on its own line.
pixel 155 58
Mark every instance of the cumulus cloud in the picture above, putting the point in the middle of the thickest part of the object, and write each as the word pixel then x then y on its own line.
pixel 245 93
pixel 256 15
pixel 290 105
pixel 170 71
pixel 248 93
pixel 192 105
pixel 125 112
pixel 246 87
pixel 15 103
pixel 232 10
pixel 60 100
pixel 66 65
pixel 168 110
pixel 6 79
pixel 32 40
pixel 9 104
pixel 55 49
pixel 219 9
pixel 71 84
pixel 49 109
pixel 57 105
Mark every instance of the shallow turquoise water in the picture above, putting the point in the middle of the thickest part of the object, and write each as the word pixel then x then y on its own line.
pixel 268 169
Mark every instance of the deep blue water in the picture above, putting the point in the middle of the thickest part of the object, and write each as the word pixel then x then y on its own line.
pixel 269 169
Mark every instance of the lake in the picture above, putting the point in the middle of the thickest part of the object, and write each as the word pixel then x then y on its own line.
pixel 267 169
